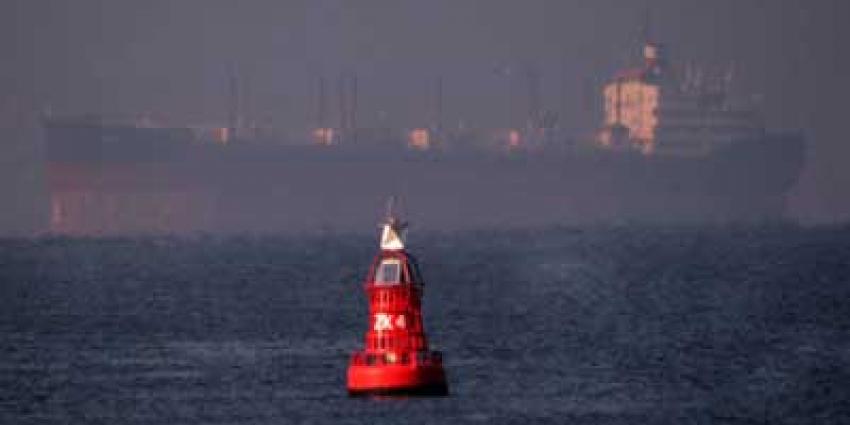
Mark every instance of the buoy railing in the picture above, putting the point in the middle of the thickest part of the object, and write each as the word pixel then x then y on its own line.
pixel 421 358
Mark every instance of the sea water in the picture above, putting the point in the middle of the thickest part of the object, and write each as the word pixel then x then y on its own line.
pixel 616 325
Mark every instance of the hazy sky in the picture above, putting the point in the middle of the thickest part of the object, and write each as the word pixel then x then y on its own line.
pixel 170 58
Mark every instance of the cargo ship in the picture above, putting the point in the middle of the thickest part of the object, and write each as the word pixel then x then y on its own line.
pixel 673 148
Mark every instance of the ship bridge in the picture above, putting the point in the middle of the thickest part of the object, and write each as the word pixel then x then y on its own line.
pixel 653 108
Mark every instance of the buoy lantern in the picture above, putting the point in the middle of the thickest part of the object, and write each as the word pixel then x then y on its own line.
pixel 396 359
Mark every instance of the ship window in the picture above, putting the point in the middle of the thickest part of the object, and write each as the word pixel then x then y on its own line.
pixel 389 271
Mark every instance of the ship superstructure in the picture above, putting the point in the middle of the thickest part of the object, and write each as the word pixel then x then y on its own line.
pixel 656 109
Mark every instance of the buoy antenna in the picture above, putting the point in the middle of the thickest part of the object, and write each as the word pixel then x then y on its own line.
pixel 393 229
pixel 391 208
pixel 392 213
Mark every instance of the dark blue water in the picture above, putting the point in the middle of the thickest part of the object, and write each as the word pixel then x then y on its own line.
pixel 595 326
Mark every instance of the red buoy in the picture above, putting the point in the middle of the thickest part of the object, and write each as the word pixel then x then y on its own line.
pixel 396 359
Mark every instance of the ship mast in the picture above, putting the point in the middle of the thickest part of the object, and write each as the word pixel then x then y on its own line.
pixel 646 27
pixel 347 92
pixel 321 106
pixel 341 94
pixel 233 105
pixel 533 87
pixel 438 105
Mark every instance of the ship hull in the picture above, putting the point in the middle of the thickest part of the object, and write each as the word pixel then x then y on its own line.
pixel 257 189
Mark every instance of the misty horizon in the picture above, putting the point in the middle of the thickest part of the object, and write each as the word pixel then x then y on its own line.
pixel 172 61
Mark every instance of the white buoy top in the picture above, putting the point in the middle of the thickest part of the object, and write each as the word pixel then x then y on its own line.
pixel 393 234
